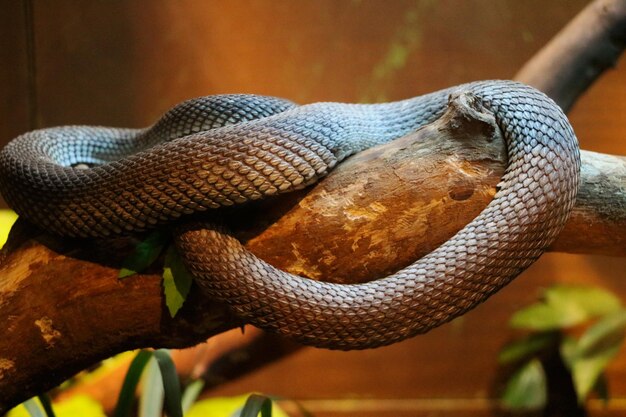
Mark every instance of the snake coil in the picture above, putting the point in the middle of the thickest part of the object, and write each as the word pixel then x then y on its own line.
pixel 222 150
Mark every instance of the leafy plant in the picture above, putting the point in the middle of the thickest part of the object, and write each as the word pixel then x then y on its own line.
pixel 160 386
pixel 127 393
pixel 145 253
pixel 176 279
pixel 584 325
pixel 256 404
pixel 160 391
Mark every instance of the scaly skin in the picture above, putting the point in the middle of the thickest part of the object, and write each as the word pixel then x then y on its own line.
pixel 260 146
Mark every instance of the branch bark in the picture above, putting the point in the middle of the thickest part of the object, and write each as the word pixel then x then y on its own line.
pixel 65 309
pixel 590 44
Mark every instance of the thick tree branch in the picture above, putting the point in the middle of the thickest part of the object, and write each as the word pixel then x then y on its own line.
pixel 591 43
pixel 598 222
pixel 391 205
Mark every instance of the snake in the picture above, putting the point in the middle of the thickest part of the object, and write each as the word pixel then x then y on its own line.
pixel 224 150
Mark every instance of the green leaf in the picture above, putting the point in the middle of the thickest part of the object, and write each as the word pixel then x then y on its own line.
pixel 191 393
pixel 127 393
pixel 564 307
pixel 589 357
pixel 526 347
pixel 144 254
pixel 589 301
pixel 587 371
pixel 176 281
pixel 607 333
pixel 256 404
pixel 171 383
pixel 527 388
pixel 34 408
pixel 151 397
pixel 545 317
pixel 45 403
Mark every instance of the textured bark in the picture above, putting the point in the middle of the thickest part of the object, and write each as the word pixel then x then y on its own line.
pixel 388 206
pixel 598 222
pixel 590 44
pixel 64 309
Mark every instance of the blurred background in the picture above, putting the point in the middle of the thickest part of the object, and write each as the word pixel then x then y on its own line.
pixel 124 63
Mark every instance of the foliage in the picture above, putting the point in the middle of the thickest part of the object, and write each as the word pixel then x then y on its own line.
pixel 256 404
pixel 144 254
pixel 127 393
pixel 160 386
pixel 176 279
pixel 79 405
pixel 154 373
pixel 587 327
pixel 527 387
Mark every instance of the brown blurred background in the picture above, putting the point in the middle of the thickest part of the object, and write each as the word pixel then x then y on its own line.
pixel 123 63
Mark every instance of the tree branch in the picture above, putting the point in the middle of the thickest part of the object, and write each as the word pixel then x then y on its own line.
pixel 590 44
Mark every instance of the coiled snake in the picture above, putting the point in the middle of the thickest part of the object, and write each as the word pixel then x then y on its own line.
pixel 223 150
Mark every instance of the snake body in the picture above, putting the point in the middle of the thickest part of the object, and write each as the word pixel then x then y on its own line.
pixel 223 150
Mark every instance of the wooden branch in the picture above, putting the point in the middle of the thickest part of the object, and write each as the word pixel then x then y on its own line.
pixel 386 207
pixel 64 309
pixel 391 205
pixel 598 222
pixel 591 43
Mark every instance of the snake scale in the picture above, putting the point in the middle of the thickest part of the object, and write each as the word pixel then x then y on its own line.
pixel 222 150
